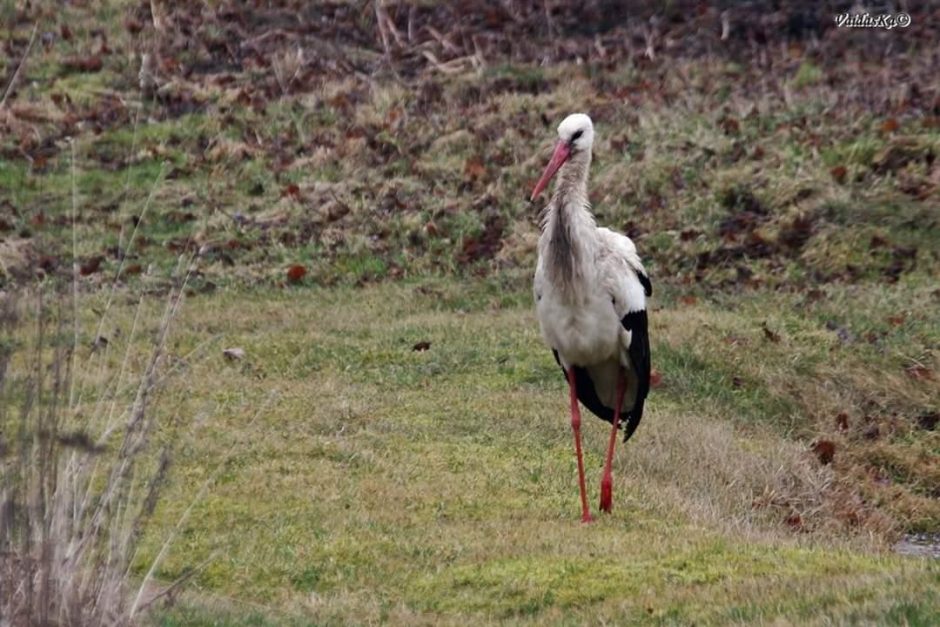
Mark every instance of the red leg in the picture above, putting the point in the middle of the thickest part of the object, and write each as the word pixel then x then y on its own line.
pixel 607 481
pixel 576 427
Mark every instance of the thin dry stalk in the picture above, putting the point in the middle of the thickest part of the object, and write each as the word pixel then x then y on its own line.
pixel 117 275
pixel 16 74
pixel 73 502
pixel 73 562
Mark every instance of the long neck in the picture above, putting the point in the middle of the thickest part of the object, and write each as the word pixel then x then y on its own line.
pixel 568 230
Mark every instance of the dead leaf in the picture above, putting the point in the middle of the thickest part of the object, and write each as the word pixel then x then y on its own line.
pixel 928 422
pixel 296 273
pixel 795 521
pixel 474 169
pixel 341 101
pixel 770 335
pixel 393 116
pixel 234 354
pixel 825 451
pixel 90 266
pixel 688 299
pixel 133 26
pixel 903 260
pixel 48 263
pixel 815 295
pixel 919 372
pixel 795 234
pixel 890 126
pixel 896 156
pixel 421 346
pixel 226 149
pixel 79 440
pixel 83 64
pixel 896 320
pixel 729 125
pixel 842 421
pixel 292 190
pixel 839 174
pixel 134 268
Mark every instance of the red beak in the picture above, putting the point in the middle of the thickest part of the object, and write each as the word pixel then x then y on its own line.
pixel 561 154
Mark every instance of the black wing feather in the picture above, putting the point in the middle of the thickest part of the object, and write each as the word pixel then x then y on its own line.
pixel 637 323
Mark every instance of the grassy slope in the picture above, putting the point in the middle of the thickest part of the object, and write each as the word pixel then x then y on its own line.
pixel 417 486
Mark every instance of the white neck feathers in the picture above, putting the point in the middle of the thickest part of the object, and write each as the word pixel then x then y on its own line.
pixel 569 234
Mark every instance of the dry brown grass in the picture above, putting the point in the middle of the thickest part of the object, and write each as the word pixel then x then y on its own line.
pixel 81 475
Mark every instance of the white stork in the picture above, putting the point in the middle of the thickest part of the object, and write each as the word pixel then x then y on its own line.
pixel 590 299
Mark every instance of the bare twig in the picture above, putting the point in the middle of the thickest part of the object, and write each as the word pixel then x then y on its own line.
pixel 173 587
pixel 411 24
pixel 454 66
pixel 19 67
pixel 549 21
pixel 159 16
pixel 387 26
pixel 383 28
pixel 651 35
pixel 75 266
pixel 266 35
pixel 446 43
pixel 287 67
pixel 130 243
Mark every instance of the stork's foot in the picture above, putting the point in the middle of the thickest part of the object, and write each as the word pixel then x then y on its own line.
pixel 586 519
pixel 607 496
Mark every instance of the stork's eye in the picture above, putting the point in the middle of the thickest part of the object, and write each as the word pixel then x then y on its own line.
pixel 577 135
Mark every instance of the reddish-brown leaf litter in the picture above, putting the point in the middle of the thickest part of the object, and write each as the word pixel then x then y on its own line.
pixel 218 58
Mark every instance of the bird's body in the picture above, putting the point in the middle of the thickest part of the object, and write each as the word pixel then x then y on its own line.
pixel 590 292
pixel 586 329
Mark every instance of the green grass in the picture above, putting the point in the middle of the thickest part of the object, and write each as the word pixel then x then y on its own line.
pixel 380 483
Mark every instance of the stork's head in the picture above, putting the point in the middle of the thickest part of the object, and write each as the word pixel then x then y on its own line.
pixel 575 137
